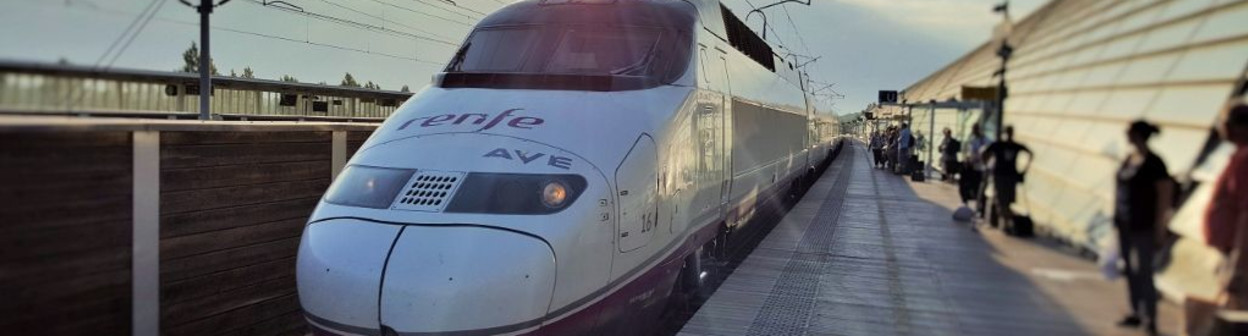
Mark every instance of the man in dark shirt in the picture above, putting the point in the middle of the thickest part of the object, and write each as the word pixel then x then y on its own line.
pixel 949 148
pixel 1005 173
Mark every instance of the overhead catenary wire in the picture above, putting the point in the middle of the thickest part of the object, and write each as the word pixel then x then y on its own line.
pixel 779 42
pixel 148 19
pixel 383 19
pixel 355 24
pixel 100 9
pixel 805 47
pixel 127 31
pixel 77 94
pixel 796 31
pixel 326 45
pixel 478 16
pixel 466 24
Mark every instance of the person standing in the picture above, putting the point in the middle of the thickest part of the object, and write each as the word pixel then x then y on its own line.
pixel 949 156
pixel 1006 176
pixel 877 148
pixel 1226 218
pixel 972 182
pixel 905 145
pixel 1141 209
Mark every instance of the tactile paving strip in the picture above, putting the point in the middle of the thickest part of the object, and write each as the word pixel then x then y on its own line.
pixel 791 301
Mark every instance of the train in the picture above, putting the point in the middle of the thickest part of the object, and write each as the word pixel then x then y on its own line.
pixel 570 171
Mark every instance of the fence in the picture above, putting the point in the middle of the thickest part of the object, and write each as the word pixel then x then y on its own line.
pixel 159 227
pixel 35 88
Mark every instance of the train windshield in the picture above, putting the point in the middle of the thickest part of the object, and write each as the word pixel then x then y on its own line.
pixel 653 53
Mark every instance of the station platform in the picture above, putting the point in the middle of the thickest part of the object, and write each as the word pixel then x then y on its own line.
pixel 867 252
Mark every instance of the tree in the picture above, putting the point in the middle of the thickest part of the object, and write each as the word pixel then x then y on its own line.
pixel 349 81
pixel 233 74
pixel 190 59
pixel 322 83
pixel 288 79
pixel 405 89
pixel 247 73
pixel 371 85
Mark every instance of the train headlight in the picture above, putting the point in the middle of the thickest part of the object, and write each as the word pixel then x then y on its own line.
pixel 554 194
pixel 516 194
pixel 369 187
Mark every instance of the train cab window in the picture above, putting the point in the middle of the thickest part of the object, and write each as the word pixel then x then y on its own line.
pixel 581 45
pixel 579 57
pixel 602 51
pixel 494 50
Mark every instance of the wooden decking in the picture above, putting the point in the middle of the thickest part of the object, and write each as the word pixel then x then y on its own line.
pixel 870 253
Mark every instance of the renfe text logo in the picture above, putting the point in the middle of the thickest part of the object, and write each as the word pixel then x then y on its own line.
pixel 521 122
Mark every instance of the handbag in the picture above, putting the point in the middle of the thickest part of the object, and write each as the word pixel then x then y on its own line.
pixel 1108 258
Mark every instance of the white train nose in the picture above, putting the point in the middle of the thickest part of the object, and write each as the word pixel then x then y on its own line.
pixel 466 278
pixel 422 278
pixel 339 273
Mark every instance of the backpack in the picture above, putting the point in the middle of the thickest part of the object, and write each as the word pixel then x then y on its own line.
pixel 953 147
pixel 963 214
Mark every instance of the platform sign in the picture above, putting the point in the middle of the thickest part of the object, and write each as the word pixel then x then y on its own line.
pixel 986 93
pixel 888 97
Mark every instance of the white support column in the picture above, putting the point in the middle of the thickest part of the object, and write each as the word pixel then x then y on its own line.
pixel 338 153
pixel 182 98
pixel 121 95
pixel 931 141
pixel 145 256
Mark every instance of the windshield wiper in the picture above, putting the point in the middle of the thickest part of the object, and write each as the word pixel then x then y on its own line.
pixel 458 60
pixel 640 65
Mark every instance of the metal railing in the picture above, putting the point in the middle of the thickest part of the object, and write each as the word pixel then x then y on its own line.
pixel 57 89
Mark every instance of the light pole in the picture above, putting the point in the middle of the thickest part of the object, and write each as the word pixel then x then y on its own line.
pixel 1004 52
pixel 205 8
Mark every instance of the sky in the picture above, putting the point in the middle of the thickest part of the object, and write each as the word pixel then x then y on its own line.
pixel 864 45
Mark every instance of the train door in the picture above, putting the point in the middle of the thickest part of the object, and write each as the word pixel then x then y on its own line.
pixel 710 129
pixel 725 133
pixel 636 186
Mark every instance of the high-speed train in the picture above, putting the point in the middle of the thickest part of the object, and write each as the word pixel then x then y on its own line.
pixel 565 174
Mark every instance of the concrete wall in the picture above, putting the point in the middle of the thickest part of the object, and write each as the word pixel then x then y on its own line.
pixel 1082 70
pixel 146 227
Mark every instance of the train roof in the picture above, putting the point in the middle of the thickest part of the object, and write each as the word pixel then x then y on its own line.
pixel 655 13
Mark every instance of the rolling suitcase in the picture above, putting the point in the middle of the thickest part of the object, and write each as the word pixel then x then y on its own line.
pixel 917 173
pixel 1022 225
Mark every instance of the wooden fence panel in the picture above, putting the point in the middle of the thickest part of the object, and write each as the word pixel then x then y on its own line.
pixel 234 200
pixel 233 205
pixel 356 139
pixel 65 233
